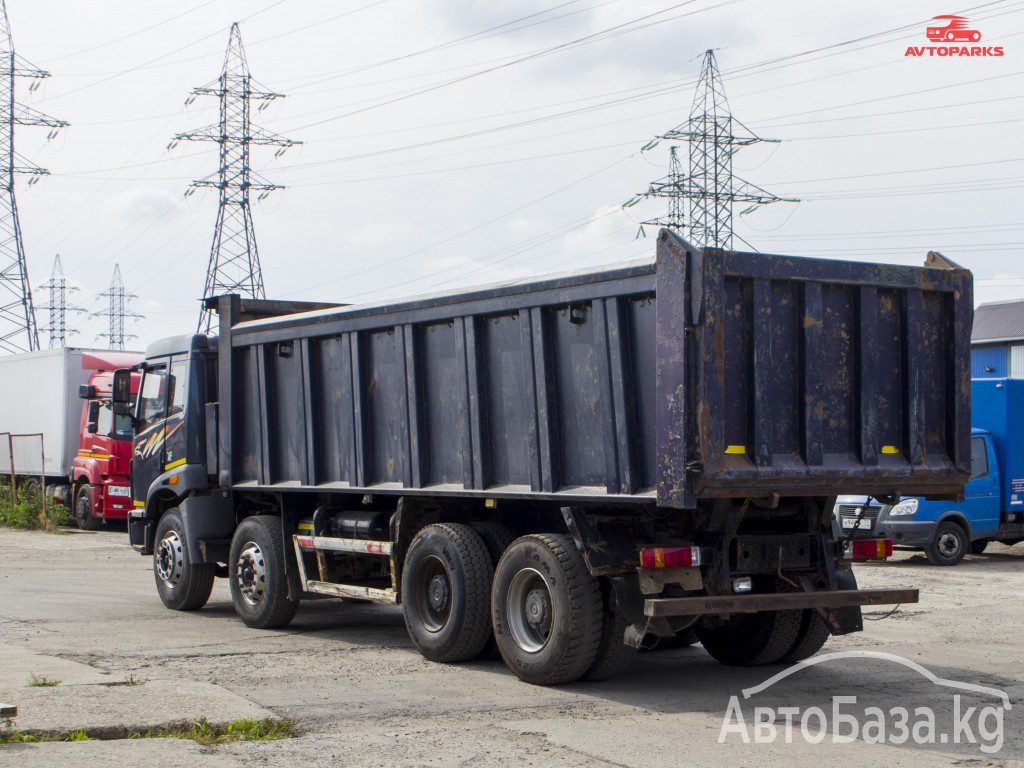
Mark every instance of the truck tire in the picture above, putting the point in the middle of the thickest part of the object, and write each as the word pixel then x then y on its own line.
pixel 978 546
pixel 181 585
pixel 811 636
pixel 497 538
pixel 753 639
pixel 949 545
pixel 613 655
pixel 546 609
pixel 83 510
pixel 446 583
pixel 257 573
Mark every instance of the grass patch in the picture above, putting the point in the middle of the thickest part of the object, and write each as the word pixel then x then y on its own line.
pixel 42 681
pixel 28 513
pixel 244 729
pixel 17 737
pixel 202 732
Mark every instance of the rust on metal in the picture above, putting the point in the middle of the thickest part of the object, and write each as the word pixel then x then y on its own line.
pixel 697 606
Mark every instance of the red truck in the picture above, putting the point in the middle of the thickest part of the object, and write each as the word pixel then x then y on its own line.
pixel 55 406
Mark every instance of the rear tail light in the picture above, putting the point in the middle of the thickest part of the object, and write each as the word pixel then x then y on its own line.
pixel 670 557
pixel 870 549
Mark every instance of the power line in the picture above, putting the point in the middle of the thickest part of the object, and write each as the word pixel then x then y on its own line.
pixel 234 265
pixel 117 311
pixel 59 289
pixel 18 330
pixel 701 200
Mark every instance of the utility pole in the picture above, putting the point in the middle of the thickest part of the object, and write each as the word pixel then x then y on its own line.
pixel 18 331
pixel 58 288
pixel 709 188
pixel 117 311
pixel 234 265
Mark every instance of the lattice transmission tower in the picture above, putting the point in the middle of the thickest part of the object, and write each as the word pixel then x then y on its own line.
pixel 18 331
pixel 117 311
pixel 702 199
pixel 59 290
pixel 234 265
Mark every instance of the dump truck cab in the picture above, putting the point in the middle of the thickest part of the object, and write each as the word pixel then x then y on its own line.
pixel 169 454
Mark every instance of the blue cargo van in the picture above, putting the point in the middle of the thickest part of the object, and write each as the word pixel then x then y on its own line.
pixel 993 505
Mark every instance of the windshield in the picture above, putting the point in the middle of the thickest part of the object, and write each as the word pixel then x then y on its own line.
pixel 109 425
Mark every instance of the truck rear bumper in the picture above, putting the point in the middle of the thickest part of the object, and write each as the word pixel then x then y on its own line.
pixel 723 604
pixel 909 533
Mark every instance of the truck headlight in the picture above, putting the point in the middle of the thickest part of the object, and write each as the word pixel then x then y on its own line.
pixel 905 508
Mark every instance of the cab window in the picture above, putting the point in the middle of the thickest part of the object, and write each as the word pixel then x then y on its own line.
pixel 104 420
pixel 178 384
pixel 153 398
pixel 979 458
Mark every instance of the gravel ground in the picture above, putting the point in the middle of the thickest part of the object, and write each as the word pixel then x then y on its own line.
pixel 81 608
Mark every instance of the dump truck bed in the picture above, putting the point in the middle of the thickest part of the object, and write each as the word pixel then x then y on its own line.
pixel 706 374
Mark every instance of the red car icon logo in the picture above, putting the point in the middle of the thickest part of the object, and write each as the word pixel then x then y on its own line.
pixel 953 29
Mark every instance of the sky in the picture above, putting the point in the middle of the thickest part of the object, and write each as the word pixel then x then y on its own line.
pixel 449 143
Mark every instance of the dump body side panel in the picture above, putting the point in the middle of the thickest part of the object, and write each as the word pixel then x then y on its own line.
pixel 586 388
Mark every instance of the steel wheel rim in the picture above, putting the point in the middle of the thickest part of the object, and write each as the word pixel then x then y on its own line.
pixel 528 606
pixel 433 593
pixel 949 544
pixel 170 558
pixel 251 575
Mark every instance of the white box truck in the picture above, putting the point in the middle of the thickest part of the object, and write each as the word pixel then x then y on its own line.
pixel 57 425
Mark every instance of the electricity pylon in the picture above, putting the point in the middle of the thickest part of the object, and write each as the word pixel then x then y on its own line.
pixel 234 265
pixel 18 331
pixel 117 311
pixel 709 189
pixel 59 290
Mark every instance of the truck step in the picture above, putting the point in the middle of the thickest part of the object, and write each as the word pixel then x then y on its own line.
pixel 351 590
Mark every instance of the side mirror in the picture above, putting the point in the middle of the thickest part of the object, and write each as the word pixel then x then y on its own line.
pixel 93 417
pixel 122 394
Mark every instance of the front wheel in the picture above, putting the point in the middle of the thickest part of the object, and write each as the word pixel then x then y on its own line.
pixel 181 585
pixel 979 546
pixel 949 545
pixel 83 510
pixel 547 610
pixel 257 572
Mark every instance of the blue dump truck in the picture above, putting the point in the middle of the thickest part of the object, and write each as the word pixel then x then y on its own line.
pixel 553 471
pixel 993 506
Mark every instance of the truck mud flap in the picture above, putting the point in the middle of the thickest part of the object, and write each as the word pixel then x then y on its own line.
pixel 725 604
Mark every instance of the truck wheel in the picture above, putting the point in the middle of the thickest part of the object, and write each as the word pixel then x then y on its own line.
pixel 949 545
pixel 979 546
pixel 546 609
pixel 83 510
pixel 496 538
pixel 613 655
pixel 445 592
pixel 181 585
pixel 258 576
pixel 753 639
pixel 811 636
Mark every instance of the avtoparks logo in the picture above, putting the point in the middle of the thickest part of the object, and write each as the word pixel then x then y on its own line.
pixel 949 28
pixel 963 714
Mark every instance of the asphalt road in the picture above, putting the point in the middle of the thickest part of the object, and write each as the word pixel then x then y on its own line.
pixel 81 608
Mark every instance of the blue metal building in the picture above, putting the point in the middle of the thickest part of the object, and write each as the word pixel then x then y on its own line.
pixel 997 340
